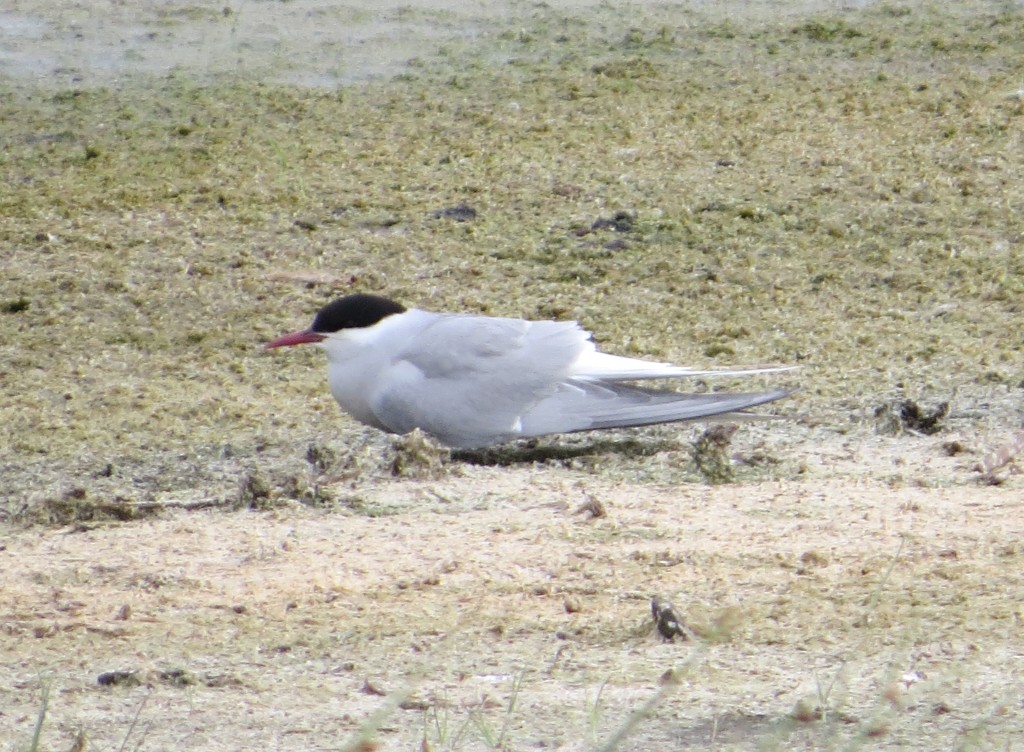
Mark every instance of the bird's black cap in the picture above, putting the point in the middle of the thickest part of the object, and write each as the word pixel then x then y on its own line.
pixel 354 312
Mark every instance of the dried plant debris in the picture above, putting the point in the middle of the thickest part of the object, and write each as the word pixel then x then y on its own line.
pixel 907 416
pixel 321 458
pixel 16 305
pixel 670 625
pixel 172 677
pixel 992 465
pixel 592 507
pixel 566 450
pixel 356 462
pixel 920 420
pixel 380 457
pixel 416 455
pixel 176 677
pixel 369 688
pixel 621 221
pixel 119 679
pixel 955 447
pixel 710 453
pixel 254 491
pixel 807 710
pixel 460 213
pixel 377 457
pixel 77 506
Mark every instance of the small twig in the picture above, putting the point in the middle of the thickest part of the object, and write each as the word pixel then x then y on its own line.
pixel 517 685
pixel 877 595
pixel 644 711
pixel 38 731
pixel 135 720
pixel 637 717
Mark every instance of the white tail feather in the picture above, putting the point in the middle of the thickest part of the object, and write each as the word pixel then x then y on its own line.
pixel 597 366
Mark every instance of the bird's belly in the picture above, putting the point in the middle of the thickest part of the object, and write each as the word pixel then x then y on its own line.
pixel 351 393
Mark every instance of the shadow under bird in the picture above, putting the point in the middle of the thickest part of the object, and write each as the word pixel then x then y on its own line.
pixel 475 381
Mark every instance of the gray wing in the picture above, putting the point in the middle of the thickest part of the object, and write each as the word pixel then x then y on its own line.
pixel 467 380
pixel 586 405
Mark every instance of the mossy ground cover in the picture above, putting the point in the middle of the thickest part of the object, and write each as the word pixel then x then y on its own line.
pixel 837 190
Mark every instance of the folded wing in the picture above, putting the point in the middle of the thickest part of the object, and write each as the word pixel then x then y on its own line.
pixel 583 406
pixel 468 380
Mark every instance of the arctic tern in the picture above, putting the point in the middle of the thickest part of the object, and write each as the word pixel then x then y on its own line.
pixel 475 381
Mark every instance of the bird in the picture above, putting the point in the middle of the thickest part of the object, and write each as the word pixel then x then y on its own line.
pixel 472 381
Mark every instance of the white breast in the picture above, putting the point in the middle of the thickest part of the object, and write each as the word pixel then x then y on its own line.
pixel 359 361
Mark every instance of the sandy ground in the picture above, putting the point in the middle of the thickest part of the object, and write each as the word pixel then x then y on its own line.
pixel 867 595
pixel 490 602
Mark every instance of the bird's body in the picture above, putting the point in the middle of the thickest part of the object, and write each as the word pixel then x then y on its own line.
pixel 474 381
